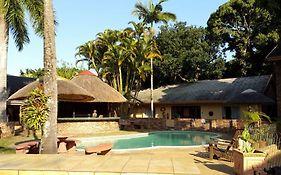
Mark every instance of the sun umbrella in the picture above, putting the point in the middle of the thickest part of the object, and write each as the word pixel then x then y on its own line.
pixel 67 91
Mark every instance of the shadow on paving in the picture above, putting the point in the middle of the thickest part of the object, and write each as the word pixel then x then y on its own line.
pixel 217 166
pixel 220 167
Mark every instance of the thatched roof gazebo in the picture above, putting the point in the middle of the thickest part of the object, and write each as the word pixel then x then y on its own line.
pixel 102 92
pixel 67 91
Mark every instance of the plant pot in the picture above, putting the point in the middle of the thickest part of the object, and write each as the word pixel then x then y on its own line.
pixel 245 163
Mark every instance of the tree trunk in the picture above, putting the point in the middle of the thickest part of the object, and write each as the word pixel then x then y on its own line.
pixel 49 139
pixel 3 68
pixel 151 88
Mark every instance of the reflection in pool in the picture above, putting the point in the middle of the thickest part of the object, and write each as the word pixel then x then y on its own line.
pixel 163 138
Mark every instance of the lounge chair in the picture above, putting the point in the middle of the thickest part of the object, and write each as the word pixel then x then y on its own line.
pixel 221 148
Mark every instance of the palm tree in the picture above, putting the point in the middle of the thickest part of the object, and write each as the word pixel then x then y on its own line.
pixel 91 51
pixel 12 18
pixel 152 14
pixel 49 138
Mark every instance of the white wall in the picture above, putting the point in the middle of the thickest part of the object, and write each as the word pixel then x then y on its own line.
pixel 215 108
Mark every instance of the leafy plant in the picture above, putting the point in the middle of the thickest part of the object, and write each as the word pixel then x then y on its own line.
pixel 254 117
pixel 34 111
pixel 250 119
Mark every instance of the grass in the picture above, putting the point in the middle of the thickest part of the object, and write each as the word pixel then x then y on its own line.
pixel 7 144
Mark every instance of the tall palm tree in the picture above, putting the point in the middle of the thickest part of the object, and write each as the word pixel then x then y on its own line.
pixel 151 14
pixel 12 18
pixel 49 138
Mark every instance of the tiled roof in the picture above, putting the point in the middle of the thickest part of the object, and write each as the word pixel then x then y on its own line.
pixel 15 83
pixel 204 91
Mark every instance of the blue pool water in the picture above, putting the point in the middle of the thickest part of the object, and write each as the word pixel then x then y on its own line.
pixel 163 138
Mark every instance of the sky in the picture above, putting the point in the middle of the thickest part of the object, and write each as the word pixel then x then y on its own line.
pixel 80 20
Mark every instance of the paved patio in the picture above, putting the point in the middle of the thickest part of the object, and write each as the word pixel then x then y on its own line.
pixel 153 161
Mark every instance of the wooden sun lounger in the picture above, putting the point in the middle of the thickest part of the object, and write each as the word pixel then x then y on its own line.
pixel 221 148
pixel 100 149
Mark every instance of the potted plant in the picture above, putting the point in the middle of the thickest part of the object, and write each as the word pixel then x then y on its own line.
pixel 246 157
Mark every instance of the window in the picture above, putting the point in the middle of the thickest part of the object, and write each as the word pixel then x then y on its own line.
pixel 186 112
pixel 231 112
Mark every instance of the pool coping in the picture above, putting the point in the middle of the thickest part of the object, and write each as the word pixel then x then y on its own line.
pixel 128 136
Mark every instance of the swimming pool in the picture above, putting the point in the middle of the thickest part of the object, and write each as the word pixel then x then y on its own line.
pixel 155 139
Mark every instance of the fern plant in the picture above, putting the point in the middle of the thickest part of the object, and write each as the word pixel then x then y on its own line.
pixel 34 111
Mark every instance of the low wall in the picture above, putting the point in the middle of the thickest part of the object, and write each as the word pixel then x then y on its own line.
pixel 208 124
pixel 74 126
pixel 181 124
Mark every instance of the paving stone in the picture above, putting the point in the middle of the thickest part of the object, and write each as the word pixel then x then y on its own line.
pixel 184 166
pixel 113 164
pixel 31 172
pixel 81 173
pixel 160 165
pixel 137 165
pixel 90 163
pixel 9 172
pixel 106 173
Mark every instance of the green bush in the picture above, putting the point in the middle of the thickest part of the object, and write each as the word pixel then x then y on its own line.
pixel 34 111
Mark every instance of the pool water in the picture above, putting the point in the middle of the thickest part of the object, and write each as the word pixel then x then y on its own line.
pixel 164 138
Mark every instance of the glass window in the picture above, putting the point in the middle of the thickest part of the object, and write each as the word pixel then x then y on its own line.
pixel 186 112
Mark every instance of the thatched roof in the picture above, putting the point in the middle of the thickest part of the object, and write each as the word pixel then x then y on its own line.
pixel 275 54
pixel 67 91
pixel 99 89
pixel 205 91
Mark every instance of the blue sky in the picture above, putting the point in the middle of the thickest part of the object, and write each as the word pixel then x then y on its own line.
pixel 80 21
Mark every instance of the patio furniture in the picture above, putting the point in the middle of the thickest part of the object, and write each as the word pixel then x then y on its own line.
pixel 100 149
pixel 221 148
pixel 66 145
pixel 28 147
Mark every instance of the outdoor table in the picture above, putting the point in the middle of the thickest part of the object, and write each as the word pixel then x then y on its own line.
pixel 62 144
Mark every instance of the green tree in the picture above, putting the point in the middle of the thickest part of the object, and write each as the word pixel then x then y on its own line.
pixel 12 18
pixel 274 8
pixel 151 14
pixel 34 111
pixel 187 55
pixel 66 70
pixel 121 57
pixel 49 140
pixel 92 50
pixel 243 28
pixel 32 73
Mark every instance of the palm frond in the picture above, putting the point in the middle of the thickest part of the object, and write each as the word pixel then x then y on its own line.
pixel 166 16
pixel 140 10
pixel 36 9
pixel 16 22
